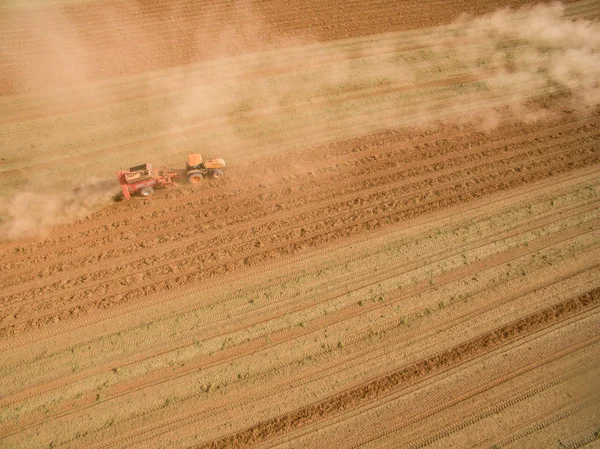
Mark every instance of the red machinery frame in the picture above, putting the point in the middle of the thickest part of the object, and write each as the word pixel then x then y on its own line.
pixel 162 177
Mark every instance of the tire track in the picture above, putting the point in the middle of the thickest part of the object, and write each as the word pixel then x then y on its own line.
pixel 256 271
pixel 458 397
pixel 550 418
pixel 219 322
pixel 372 390
pixel 359 359
pixel 275 236
pixel 254 346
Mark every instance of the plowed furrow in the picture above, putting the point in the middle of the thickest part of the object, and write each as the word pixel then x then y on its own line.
pixel 221 324
pixel 365 224
pixel 219 204
pixel 331 23
pixel 303 233
pixel 188 419
pixel 543 220
pixel 185 23
pixel 218 207
pixel 154 378
pixel 496 200
pixel 278 208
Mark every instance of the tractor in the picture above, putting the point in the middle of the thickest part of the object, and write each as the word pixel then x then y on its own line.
pixel 197 169
pixel 143 179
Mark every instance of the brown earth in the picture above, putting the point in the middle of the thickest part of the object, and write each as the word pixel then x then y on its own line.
pixel 417 286
pixel 118 38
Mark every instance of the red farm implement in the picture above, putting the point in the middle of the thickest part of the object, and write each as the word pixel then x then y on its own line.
pixel 144 179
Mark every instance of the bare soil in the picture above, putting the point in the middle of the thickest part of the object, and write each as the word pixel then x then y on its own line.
pixel 424 285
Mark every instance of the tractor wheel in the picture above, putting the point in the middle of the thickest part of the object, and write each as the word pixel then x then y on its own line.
pixel 146 191
pixel 195 178
pixel 217 174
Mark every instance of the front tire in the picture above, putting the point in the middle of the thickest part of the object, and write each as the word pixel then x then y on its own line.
pixel 217 174
pixel 146 191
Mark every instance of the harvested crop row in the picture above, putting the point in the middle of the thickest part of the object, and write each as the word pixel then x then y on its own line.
pixel 170 375
pixel 410 374
pixel 221 324
pixel 178 426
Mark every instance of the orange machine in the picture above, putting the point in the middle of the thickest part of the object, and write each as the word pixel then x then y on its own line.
pixel 198 169
pixel 144 178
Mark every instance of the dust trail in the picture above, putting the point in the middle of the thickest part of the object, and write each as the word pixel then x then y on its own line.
pixel 241 103
pixel 29 215
pixel 535 50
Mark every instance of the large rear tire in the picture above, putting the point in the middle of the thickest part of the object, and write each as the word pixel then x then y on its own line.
pixel 195 178
pixel 217 174
pixel 146 191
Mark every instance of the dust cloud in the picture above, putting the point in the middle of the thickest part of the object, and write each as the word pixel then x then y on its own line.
pixel 31 215
pixel 227 83
pixel 533 51
pixel 525 64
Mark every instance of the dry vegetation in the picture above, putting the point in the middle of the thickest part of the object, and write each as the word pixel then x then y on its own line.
pixel 404 251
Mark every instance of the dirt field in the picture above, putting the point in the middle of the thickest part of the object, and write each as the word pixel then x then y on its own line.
pixel 404 252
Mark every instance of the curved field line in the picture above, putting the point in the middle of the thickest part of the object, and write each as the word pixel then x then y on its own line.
pixel 74 304
pixel 267 248
pixel 264 219
pixel 369 390
pixel 541 185
pixel 155 378
pixel 218 322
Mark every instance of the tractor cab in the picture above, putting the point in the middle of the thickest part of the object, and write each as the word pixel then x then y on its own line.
pixel 194 162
